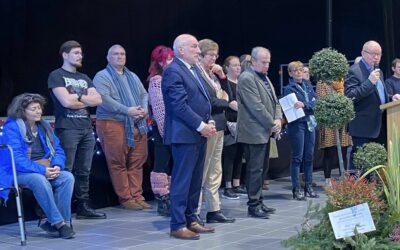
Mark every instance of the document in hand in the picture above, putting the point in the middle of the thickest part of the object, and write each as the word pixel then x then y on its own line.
pixel 287 104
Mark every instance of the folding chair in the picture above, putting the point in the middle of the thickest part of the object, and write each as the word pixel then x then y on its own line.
pixel 17 191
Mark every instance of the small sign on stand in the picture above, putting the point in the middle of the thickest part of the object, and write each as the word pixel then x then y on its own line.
pixel 345 221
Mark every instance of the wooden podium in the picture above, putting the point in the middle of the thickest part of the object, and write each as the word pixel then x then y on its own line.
pixel 393 118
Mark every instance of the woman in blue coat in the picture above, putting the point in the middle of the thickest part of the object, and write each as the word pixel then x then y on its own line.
pixel 39 160
pixel 301 131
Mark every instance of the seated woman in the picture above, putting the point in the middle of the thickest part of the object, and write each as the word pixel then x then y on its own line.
pixel 301 131
pixel 39 160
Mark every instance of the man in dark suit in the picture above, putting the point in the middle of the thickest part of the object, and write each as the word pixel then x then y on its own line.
pixel 259 118
pixel 187 113
pixel 364 83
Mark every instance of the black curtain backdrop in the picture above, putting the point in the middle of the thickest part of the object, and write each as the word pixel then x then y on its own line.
pixel 32 31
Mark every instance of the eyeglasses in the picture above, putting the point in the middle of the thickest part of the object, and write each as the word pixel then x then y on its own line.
pixel 298 70
pixel 372 53
pixel 212 55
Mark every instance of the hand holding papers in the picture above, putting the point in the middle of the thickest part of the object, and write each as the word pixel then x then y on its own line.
pixel 287 104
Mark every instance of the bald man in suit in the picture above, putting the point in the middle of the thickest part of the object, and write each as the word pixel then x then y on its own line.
pixel 186 128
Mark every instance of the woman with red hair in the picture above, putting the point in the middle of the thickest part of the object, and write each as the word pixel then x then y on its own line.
pixel 161 56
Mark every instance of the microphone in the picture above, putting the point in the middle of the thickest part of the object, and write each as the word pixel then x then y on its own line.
pixel 376 66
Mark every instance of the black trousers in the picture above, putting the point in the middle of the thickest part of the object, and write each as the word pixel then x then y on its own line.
pixel 256 156
pixel 162 153
pixel 232 161
pixel 78 145
pixel 331 160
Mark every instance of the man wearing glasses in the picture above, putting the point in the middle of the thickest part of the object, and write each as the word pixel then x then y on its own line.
pixel 364 83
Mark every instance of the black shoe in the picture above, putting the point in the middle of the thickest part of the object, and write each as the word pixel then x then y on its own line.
pixel 297 195
pixel 257 212
pixel 47 227
pixel 268 210
pixel 218 217
pixel 308 191
pixel 229 194
pixel 66 232
pixel 83 211
pixel 163 205
pixel 239 190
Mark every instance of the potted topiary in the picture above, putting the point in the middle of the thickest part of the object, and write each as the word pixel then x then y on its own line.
pixel 369 155
pixel 333 110
pixel 328 66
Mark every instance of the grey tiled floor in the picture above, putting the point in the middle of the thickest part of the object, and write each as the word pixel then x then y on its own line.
pixel 145 230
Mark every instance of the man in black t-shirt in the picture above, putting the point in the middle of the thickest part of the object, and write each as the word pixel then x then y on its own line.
pixel 392 84
pixel 72 93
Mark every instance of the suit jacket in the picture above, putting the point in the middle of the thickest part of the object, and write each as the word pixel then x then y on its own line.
pixel 368 119
pixel 258 108
pixel 186 104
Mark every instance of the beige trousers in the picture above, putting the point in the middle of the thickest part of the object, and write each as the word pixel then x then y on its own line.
pixel 212 173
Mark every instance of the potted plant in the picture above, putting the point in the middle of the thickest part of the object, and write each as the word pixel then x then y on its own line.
pixel 328 66
pixel 344 193
pixel 369 155
pixel 390 179
pixel 347 192
pixel 333 110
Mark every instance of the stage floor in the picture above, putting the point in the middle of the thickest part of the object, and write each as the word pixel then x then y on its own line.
pixel 142 230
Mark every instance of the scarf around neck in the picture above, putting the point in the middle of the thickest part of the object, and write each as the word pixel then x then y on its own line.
pixel 27 134
pixel 130 97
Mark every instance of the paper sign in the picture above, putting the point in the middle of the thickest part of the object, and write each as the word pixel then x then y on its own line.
pixel 287 105
pixel 346 220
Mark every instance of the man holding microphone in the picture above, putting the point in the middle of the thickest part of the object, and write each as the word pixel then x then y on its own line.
pixel 364 83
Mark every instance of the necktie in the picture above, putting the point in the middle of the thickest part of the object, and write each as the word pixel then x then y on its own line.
pixel 193 70
pixel 381 91
pixel 268 84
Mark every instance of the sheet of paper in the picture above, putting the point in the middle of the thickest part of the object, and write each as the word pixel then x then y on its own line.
pixel 344 221
pixel 287 104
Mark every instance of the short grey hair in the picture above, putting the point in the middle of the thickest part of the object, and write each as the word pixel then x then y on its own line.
pixel 255 52
pixel 179 42
pixel 114 47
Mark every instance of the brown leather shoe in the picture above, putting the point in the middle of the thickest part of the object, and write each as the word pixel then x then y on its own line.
pixel 144 204
pixel 184 234
pixel 197 228
pixel 131 205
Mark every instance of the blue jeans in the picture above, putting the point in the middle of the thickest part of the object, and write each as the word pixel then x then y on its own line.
pixel 78 145
pixel 302 142
pixel 53 196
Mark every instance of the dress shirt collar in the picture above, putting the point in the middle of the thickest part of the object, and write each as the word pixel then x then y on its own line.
pixel 186 64
pixel 366 65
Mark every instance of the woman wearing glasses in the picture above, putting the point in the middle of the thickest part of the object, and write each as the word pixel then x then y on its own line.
pixel 301 131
